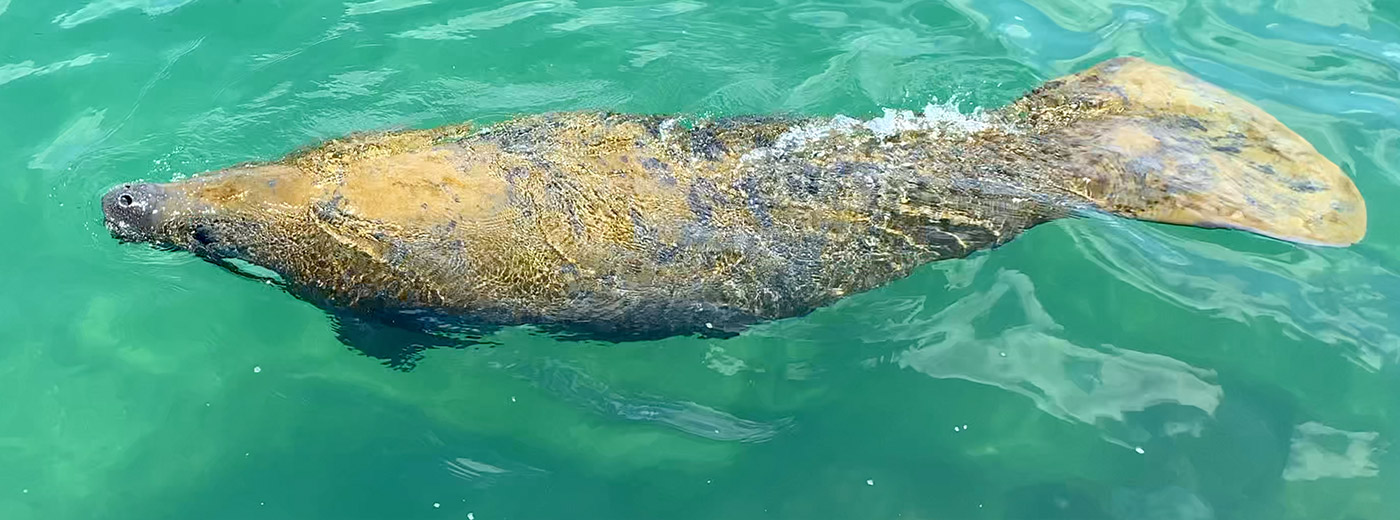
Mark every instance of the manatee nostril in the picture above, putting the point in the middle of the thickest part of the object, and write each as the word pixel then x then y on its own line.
pixel 125 200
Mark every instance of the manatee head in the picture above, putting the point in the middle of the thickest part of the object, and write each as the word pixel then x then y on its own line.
pixel 133 211
pixel 169 217
pixel 237 213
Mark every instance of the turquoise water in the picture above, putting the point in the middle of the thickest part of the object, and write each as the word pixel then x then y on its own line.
pixel 1091 369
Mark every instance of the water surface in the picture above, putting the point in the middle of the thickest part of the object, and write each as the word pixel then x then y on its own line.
pixel 1091 369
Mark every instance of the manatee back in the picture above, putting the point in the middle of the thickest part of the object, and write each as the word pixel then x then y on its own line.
pixel 643 225
pixel 617 224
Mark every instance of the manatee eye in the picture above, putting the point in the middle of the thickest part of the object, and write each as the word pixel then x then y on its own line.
pixel 203 234
pixel 125 200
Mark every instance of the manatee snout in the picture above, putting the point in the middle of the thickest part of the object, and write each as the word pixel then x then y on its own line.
pixel 133 211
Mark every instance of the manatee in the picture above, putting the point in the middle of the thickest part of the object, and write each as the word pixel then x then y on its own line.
pixel 617 226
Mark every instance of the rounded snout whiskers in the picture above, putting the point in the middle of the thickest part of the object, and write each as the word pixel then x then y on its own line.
pixel 115 225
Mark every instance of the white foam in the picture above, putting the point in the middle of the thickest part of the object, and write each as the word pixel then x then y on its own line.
pixel 667 129
pixel 943 118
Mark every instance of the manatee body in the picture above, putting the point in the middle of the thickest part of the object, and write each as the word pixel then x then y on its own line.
pixel 631 226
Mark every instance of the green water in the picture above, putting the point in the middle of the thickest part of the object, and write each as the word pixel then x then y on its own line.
pixel 1091 369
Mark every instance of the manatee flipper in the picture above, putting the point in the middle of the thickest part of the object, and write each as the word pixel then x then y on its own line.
pixel 1154 143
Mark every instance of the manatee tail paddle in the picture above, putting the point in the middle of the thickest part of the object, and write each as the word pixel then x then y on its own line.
pixel 1153 143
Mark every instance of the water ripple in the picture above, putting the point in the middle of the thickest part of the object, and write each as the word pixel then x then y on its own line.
pixel 1319 451
pixel 380 6
pixel 461 28
pixel 27 68
pixel 575 386
pixel 72 142
pixel 1101 386
pixel 103 8
pixel 1331 13
pixel 878 65
pixel 627 14
pixel 350 84
pixel 1335 296
pixel 483 474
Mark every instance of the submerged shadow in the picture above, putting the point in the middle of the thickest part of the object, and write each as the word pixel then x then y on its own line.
pixel 398 342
